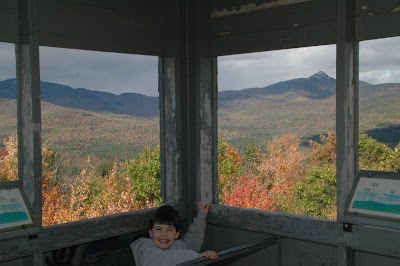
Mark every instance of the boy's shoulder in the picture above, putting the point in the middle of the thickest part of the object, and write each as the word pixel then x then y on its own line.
pixel 142 242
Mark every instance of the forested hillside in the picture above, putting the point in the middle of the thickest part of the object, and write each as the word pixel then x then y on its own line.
pixel 306 106
pixel 276 148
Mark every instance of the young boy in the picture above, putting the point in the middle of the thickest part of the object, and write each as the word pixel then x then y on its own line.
pixel 163 247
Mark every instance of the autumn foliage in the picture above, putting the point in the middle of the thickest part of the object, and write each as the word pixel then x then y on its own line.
pixel 9 160
pixel 85 195
pixel 284 176
pixel 278 171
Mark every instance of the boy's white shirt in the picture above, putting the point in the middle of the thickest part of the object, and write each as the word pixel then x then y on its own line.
pixel 146 253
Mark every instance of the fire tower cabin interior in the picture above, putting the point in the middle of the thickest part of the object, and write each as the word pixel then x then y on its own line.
pixel 188 37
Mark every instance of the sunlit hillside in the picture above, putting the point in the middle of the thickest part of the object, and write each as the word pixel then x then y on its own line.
pixel 306 106
pixel 84 132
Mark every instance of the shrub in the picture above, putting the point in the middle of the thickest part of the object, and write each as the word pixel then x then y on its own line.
pixel 229 167
pixel 378 156
pixel 324 151
pixel 144 173
pixel 316 195
pixel 9 163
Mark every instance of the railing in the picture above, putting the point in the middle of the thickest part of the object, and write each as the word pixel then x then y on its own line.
pixel 231 253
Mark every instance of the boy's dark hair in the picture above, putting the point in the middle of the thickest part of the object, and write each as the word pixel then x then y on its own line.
pixel 166 215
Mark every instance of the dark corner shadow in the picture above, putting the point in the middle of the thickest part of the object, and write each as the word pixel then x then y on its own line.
pixel 389 135
pixel 305 142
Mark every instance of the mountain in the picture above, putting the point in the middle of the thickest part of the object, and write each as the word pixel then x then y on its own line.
pixel 317 86
pixel 305 106
pixel 104 102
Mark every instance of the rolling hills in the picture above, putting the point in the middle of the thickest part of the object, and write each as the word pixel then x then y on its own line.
pixel 104 124
pixel 84 99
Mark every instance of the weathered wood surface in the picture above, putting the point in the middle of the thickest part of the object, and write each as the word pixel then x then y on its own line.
pixel 282 224
pixel 171 156
pixel 308 23
pixel 297 252
pixel 204 82
pixel 105 252
pixel 28 108
pixel 309 229
pixel 346 105
pixel 376 240
pixel 145 27
pixel 8 21
pixel 369 259
pixel 124 26
pixel 75 233
pixel 16 262
pixel 140 26
pixel 206 138
pixel 377 19
pixel 220 238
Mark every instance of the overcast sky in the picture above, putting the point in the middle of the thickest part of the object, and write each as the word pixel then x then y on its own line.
pixel 119 73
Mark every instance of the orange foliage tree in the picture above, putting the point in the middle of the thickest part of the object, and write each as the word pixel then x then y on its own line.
pixel 9 160
pixel 87 196
pixel 249 191
pixel 324 151
pixel 73 198
pixel 272 188
pixel 229 166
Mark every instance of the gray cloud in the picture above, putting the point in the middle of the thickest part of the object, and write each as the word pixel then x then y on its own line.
pixel 119 73
pixel 111 72
pixel 7 61
pixel 380 60
pixel 379 63
pixel 266 68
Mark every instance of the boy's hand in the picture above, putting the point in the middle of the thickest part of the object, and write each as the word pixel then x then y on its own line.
pixel 209 254
pixel 204 207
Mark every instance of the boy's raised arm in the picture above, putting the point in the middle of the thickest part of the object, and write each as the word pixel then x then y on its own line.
pixel 194 237
pixel 203 207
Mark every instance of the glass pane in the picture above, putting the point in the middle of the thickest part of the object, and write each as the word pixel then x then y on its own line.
pixel 100 125
pixel 8 114
pixel 277 143
pixel 379 75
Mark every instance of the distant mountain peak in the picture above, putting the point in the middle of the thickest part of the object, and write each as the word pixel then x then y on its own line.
pixel 320 75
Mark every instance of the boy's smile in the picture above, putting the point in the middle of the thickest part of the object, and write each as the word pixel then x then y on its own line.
pixel 163 235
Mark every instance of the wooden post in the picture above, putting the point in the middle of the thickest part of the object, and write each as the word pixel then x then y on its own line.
pixel 171 156
pixel 346 114
pixel 206 110
pixel 28 113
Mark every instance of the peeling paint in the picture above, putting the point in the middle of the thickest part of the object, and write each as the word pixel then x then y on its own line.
pixel 206 167
pixel 254 7
pixel 365 7
pixel 206 184
pixel 397 9
pixel 224 34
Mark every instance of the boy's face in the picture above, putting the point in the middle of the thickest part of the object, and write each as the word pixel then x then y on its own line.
pixel 163 235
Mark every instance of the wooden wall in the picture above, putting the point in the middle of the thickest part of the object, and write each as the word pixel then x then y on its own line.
pixel 304 240
pixel 140 27
pixel 188 35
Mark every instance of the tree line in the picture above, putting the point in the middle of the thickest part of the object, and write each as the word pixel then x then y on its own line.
pixel 283 176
